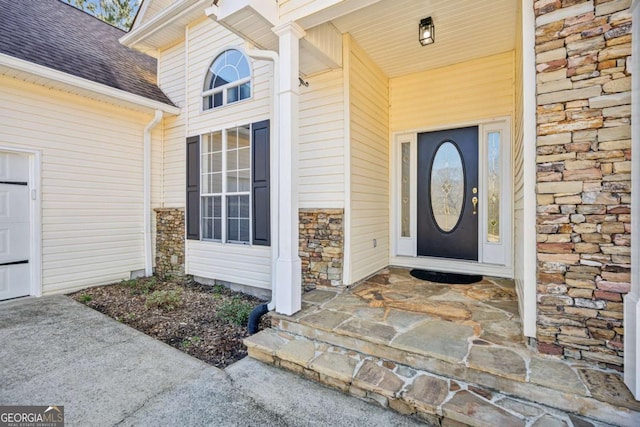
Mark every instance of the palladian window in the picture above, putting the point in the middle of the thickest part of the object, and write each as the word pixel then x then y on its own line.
pixel 228 80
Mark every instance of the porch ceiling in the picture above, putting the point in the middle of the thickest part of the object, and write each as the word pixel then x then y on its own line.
pixel 464 30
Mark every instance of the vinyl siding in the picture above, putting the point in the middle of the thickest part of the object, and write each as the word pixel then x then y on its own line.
pixel 321 142
pixel 171 69
pixel 92 178
pixel 369 146
pixel 206 40
pixel 246 265
pixel 186 64
pixel 460 93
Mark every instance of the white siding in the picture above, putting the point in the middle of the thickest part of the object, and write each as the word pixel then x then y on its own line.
pixel 91 186
pixel 472 90
pixel 172 81
pixel 321 155
pixel 186 64
pixel 369 126
pixel 246 265
pixel 206 40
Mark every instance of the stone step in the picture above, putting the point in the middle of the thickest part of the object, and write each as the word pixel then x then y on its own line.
pixel 430 388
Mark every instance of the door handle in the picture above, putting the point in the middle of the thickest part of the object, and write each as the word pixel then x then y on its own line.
pixel 474 200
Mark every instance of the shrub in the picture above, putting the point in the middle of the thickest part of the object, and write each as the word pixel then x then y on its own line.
pixel 164 300
pixel 140 286
pixel 235 311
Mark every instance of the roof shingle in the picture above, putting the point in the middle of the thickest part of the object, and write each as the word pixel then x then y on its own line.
pixel 59 36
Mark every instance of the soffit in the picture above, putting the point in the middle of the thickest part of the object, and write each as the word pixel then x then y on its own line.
pixel 148 9
pixel 464 30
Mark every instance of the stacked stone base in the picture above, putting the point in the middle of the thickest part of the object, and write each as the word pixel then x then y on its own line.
pixel 432 390
pixel 169 242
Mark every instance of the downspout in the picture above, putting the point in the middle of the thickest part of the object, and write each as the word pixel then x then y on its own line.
pixel 148 252
pixel 269 55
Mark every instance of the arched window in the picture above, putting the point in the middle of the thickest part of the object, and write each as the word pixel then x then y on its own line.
pixel 228 80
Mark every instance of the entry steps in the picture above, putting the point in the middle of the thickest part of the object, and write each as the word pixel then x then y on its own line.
pixel 441 392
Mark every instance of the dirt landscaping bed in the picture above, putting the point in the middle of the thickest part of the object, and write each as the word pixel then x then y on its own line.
pixel 207 322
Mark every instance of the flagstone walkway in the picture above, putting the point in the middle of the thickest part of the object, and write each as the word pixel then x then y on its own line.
pixel 440 350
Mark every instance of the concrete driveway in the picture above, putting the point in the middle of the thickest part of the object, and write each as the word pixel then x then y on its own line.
pixel 54 351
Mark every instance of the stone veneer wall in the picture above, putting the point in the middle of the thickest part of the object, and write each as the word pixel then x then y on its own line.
pixel 321 246
pixel 169 241
pixel 583 176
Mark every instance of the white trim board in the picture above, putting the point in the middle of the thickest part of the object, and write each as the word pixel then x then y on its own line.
pixel 529 314
pixel 632 299
pixel 87 86
pixel 494 259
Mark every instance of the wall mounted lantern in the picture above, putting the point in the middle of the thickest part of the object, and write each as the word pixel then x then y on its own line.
pixel 426 31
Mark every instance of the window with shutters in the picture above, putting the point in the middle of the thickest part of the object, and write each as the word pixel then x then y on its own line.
pixel 228 185
pixel 228 80
pixel 225 185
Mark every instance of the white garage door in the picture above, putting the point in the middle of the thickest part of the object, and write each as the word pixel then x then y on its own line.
pixel 14 226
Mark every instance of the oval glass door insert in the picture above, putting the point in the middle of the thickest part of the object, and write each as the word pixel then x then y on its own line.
pixel 447 186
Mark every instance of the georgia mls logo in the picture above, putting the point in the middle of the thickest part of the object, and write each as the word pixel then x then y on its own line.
pixel 32 416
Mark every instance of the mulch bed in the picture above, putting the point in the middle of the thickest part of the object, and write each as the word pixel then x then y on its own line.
pixel 194 318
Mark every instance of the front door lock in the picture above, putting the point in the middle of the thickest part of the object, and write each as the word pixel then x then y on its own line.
pixel 474 200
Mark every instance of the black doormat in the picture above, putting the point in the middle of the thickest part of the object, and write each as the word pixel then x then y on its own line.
pixel 451 278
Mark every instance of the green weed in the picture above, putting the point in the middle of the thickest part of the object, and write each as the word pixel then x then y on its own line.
pixel 188 342
pixel 164 300
pixel 235 311
pixel 85 298
pixel 140 286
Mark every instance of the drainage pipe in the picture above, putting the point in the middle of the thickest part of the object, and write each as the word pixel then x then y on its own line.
pixel 269 55
pixel 254 317
pixel 148 261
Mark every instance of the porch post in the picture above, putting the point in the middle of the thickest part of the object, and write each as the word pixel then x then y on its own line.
pixel 288 275
pixel 632 299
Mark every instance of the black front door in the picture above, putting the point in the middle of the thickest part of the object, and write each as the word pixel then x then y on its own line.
pixel 448 193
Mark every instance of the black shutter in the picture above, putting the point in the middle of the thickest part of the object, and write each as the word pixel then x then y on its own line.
pixel 193 188
pixel 260 184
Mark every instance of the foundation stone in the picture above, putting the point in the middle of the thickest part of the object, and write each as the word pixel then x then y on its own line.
pixel 321 247
pixel 170 230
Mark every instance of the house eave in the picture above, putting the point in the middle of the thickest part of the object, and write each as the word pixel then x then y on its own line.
pixel 64 81
pixel 164 28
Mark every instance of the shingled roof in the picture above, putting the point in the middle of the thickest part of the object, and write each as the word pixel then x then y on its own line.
pixel 56 35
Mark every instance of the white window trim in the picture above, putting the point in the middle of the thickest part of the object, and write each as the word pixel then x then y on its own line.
pixel 224 194
pixel 404 249
pixel 223 89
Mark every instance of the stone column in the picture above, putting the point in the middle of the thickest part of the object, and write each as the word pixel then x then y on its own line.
pixel 321 247
pixel 169 242
pixel 288 266
pixel 583 65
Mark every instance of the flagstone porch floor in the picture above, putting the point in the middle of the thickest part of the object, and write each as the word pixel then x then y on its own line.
pixel 444 352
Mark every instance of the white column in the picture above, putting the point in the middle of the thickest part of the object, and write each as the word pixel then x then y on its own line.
pixel 529 315
pixel 632 299
pixel 288 276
